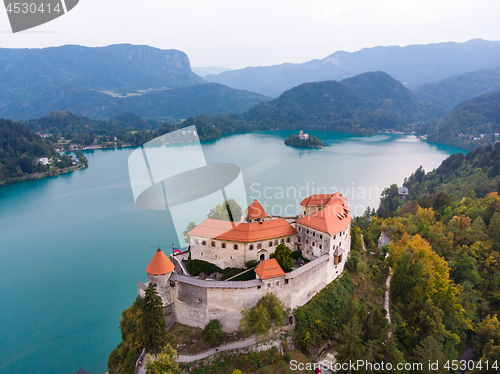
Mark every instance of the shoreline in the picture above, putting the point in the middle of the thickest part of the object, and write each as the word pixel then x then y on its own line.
pixel 47 174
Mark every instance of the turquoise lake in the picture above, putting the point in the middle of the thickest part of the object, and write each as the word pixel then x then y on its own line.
pixel 72 247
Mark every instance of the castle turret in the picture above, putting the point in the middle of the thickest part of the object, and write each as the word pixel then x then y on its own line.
pixel 159 270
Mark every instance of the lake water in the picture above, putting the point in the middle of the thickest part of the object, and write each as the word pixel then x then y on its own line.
pixel 72 247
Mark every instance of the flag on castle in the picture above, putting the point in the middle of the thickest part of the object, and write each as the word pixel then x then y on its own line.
pixel 175 250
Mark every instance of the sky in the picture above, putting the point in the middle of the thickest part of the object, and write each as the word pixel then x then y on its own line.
pixel 240 33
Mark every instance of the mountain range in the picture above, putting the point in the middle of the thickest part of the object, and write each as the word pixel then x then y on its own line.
pixel 449 92
pixel 172 104
pixel 413 65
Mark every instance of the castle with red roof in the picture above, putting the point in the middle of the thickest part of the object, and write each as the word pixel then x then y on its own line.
pixel 321 232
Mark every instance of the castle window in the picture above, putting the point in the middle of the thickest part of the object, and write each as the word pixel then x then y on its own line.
pixel 313 244
pixel 269 285
pixel 259 287
pixel 235 246
pixel 213 244
pixel 202 253
pixel 314 234
pixel 288 240
pixel 204 242
pixel 277 283
pixel 320 246
pixel 300 228
pixel 334 237
pixel 199 300
pixel 286 281
pixel 308 231
pixel 259 245
pixel 282 240
pixel 172 284
pixel 275 241
pixel 307 241
pixel 321 236
pixel 251 247
pixel 223 245
pixel 270 244
pixel 298 239
pixel 215 256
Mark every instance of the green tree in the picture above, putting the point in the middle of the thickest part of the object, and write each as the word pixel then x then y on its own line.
pixel 212 333
pixel 191 225
pixel 260 319
pixel 122 359
pixel 351 346
pixel 164 362
pixel 430 350
pixel 154 322
pixel 282 254
pixel 494 228
pixel 230 210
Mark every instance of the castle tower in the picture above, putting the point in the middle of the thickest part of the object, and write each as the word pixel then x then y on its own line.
pixel 159 270
pixel 301 134
pixel 255 211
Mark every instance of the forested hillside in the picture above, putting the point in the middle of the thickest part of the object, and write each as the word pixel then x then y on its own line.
pixel 171 104
pixel 451 91
pixel 444 256
pixel 471 124
pixel 19 150
pixel 128 128
pixel 364 104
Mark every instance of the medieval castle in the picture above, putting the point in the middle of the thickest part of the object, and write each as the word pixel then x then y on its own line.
pixel 321 231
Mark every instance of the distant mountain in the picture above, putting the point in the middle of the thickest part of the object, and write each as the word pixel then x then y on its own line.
pixel 449 92
pixel 471 124
pixel 413 65
pixel 204 71
pixel 174 104
pixel 118 68
pixel 364 104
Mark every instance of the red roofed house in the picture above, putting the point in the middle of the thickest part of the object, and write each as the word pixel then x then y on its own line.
pixel 325 228
pixel 232 244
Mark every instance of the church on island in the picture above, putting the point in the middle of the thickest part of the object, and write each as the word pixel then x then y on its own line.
pixel 321 231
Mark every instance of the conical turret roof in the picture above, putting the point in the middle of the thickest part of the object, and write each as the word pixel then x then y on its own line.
pixel 160 264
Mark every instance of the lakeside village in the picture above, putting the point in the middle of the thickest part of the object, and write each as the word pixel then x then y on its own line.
pixel 281 261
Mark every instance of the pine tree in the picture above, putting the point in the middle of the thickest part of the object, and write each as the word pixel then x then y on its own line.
pixel 154 322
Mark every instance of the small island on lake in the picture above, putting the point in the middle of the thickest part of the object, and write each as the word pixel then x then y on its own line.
pixel 304 141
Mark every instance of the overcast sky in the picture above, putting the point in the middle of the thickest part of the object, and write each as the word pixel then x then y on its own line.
pixel 239 33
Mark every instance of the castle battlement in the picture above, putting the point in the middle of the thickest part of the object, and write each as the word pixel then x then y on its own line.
pixel 323 235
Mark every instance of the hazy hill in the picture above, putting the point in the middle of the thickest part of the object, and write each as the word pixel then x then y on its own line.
pixel 413 65
pixel 174 104
pixel 471 124
pixel 363 104
pixel 449 92
pixel 19 149
pixel 119 68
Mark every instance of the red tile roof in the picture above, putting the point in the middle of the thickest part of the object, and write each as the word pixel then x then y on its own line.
pixel 319 199
pixel 332 218
pixel 255 210
pixel 160 264
pixel 269 269
pixel 243 232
